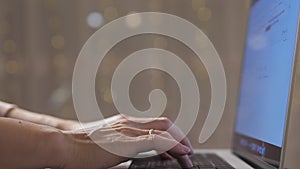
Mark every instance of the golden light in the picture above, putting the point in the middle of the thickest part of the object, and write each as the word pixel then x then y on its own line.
pixel 196 4
pixel 9 46
pixel 11 67
pixel 4 28
pixel 110 13
pixel 204 14
pixel 107 96
pixel 58 42
pixel 105 92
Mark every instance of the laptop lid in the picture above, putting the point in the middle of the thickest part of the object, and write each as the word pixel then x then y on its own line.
pixel 266 81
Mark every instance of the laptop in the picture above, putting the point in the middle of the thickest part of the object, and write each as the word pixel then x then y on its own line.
pixel 263 109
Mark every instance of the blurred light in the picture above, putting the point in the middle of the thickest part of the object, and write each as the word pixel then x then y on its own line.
pixel 107 96
pixel 94 19
pixel 196 4
pixel 103 85
pixel 155 5
pixel 60 96
pixel 9 46
pixel 160 42
pixel 110 13
pixel 54 23
pixel 134 20
pixel 11 67
pixel 4 28
pixel 57 41
pixel 204 14
pixel 60 60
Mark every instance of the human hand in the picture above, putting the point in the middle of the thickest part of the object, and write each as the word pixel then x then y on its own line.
pixel 125 138
pixel 159 124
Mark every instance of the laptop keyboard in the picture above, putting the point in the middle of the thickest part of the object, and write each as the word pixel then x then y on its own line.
pixel 200 161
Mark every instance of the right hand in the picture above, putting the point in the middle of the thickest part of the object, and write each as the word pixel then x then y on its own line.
pixel 126 140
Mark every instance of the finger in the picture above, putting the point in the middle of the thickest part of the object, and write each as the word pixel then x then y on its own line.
pixel 185 161
pixel 161 124
pixel 131 146
pixel 175 152
pixel 163 144
pixel 166 155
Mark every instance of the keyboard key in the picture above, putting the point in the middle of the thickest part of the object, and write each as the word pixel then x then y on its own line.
pixel 200 161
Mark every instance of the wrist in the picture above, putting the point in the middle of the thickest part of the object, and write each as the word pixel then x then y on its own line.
pixel 67 124
pixel 56 146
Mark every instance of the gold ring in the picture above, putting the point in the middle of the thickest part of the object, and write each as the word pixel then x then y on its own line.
pixel 151 131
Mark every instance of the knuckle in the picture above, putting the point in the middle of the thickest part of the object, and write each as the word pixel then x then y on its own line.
pixel 124 121
pixel 166 122
pixel 166 134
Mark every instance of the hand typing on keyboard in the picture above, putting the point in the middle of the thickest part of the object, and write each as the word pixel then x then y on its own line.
pixel 124 138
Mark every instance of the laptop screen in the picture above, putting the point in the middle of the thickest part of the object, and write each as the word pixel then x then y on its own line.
pixel 266 78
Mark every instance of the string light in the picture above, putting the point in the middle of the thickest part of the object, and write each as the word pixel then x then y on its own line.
pixel 94 19
pixel 196 4
pixel 107 96
pixel 110 13
pixel 11 67
pixel 204 14
pixel 103 86
pixel 57 41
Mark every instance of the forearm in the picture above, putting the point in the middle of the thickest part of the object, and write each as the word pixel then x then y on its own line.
pixel 12 111
pixel 37 118
pixel 27 145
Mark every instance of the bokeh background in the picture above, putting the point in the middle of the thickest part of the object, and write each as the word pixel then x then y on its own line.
pixel 41 39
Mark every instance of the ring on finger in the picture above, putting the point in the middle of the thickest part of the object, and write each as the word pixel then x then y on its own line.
pixel 151 131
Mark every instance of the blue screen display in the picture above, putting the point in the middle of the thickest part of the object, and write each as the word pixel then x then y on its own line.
pixel 267 70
